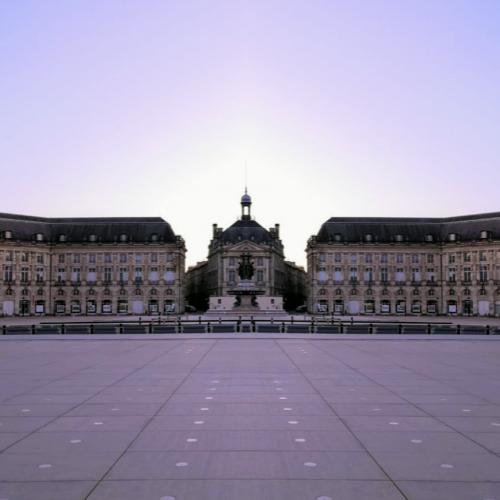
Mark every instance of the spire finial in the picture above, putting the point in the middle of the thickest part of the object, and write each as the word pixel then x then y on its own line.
pixel 246 177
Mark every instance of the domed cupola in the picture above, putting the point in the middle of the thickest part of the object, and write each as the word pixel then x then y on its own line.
pixel 246 204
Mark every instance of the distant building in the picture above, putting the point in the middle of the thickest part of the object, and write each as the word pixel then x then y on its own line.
pixel 90 266
pixel 219 273
pixel 406 266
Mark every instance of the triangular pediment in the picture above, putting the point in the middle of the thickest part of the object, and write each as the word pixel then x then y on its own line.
pixel 246 246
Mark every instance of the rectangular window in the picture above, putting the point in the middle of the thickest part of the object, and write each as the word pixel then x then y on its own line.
pixel 108 275
pixel 7 274
pixel 40 274
pixel 467 257
pixel 467 274
pixel 451 258
pixel 40 258
pixel 353 274
pixel 384 274
pixel 232 276
pixel 123 274
pixel 260 275
pixel 368 258
pixel 415 275
pixel 430 258
pixel 322 257
pixel 138 258
pixel 92 258
pixel 123 258
pixel 170 276
pixel 170 257
pixel 354 258
pixel 399 258
pixel 61 274
pixel 384 258
pixel 260 261
pixel 9 256
pixel 368 277
pixel 322 276
pixel 483 273
pixel 415 258
pixel 107 258
pixel 75 275
pixel 400 274
pixel 61 258
pixel 482 255
pixel 431 275
pixel 153 275
pixel 76 258
pixel 232 261
pixel 338 257
pixel 24 256
pixel 24 275
pixel 154 258
pixel 138 274
pixel 339 276
pixel 452 274
pixel 91 275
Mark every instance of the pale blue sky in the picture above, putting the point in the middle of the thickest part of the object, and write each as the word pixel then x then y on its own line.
pixel 145 108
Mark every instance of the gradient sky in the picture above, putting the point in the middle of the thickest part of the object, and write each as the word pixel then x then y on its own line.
pixel 152 108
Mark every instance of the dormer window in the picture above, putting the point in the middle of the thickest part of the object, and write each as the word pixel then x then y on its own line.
pixel 154 237
pixel 368 238
pixel 337 237
pixel 484 235
pixel 62 238
pixel 398 238
pixel 429 238
pixel 452 237
pixel 92 238
pixel 38 237
pixel 123 238
pixel 8 235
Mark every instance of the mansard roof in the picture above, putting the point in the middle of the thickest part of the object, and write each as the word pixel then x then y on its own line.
pixel 86 229
pixel 246 230
pixel 410 229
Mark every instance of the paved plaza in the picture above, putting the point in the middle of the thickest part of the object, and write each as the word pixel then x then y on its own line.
pixel 249 417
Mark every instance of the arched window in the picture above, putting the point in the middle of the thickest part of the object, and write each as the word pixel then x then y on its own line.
pixel 38 237
pixel 484 235
pixel 452 237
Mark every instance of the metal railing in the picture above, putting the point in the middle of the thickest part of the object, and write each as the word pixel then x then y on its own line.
pixel 277 326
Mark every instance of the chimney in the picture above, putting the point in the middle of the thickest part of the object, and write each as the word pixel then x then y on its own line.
pixel 277 229
pixel 214 230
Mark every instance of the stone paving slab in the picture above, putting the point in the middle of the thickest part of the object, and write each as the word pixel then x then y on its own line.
pixel 250 417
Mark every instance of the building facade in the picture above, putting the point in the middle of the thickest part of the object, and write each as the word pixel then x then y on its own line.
pixel 417 266
pixel 275 276
pixel 90 266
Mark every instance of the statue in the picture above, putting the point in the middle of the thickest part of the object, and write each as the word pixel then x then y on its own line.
pixel 245 268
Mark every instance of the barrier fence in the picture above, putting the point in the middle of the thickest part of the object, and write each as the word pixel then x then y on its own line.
pixel 248 326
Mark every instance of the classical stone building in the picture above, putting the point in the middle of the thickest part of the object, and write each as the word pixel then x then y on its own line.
pixel 90 266
pixel 406 266
pixel 219 273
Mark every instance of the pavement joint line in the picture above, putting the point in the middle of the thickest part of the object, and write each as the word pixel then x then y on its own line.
pixel 188 374
pixel 415 405
pixel 73 407
pixel 367 451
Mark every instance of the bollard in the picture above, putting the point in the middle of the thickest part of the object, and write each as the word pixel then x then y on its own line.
pixel 487 329
pixel 63 328
pixel 120 328
pixel 32 329
pixel 458 329
pixel 91 328
pixel 150 327
pixel 400 328
pixel 429 329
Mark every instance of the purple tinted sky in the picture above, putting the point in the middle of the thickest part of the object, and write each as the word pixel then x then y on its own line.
pixel 340 108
